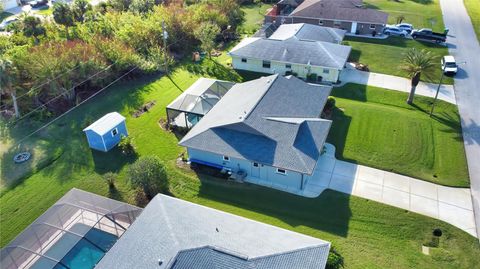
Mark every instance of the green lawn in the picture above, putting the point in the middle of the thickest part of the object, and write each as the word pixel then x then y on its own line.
pixel 420 13
pixel 45 11
pixel 4 15
pixel 366 233
pixel 376 127
pixel 473 9
pixel 386 55
pixel 253 19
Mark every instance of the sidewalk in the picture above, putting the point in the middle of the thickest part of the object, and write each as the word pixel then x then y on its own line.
pixel 353 75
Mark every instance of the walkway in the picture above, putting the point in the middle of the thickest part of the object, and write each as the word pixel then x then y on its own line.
pixel 463 44
pixel 353 75
pixel 452 205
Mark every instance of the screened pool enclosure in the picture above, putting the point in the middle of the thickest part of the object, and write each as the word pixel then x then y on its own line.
pixel 74 233
pixel 190 106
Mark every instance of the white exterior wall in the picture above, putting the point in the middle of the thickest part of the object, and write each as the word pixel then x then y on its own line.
pixel 265 173
pixel 302 71
pixel 8 4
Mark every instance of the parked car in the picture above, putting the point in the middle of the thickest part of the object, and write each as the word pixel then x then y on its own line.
pixel 393 30
pixel 428 34
pixel 449 65
pixel 38 3
pixel 407 27
pixel 6 22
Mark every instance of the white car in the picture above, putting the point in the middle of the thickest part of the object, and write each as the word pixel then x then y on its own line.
pixel 407 27
pixel 393 30
pixel 449 66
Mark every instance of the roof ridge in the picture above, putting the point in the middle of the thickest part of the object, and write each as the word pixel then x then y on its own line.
pixel 276 76
pixel 327 51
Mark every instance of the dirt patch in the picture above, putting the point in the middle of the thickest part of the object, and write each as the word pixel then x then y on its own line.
pixel 145 108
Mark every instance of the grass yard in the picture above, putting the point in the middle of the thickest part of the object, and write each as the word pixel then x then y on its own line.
pixel 420 13
pixel 375 127
pixel 366 233
pixel 386 55
pixel 4 15
pixel 45 11
pixel 473 9
pixel 253 19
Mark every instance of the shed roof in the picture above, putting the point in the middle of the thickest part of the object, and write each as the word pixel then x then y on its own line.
pixel 293 50
pixel 186 235
pixel 272 120
pixel 106 123
pixel 305 31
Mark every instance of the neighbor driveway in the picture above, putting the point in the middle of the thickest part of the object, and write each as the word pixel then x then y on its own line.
pixel 352 75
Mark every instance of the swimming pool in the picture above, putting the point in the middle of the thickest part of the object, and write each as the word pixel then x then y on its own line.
pixel 85 254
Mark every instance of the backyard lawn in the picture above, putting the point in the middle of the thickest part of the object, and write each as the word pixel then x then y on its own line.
pixel 420 13
pixel 375 127
pixel 253 19
pixel 473 9
pixel 386 55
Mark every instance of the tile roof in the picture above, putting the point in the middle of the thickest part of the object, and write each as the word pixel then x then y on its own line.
pixel 293 50
pixel 346 10
pixel 181 235
pixel 272 120
pixel 305 31
pixel 105 123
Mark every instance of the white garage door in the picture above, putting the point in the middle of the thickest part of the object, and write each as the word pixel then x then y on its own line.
pixel 7 4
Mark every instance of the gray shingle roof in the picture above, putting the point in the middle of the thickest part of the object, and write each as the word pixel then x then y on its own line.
pixel 177 233
pixel 346 10
pixel 304 31
pixel 273 120
pixel 293 50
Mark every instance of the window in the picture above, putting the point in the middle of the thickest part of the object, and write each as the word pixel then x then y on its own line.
pixel 372 26
pixel 114 132
pixel 281 171
pixel 337 23
pixel 226 158
pixel 244 60
pixel 326 71
pixel 320 22
pixel 255 164
pixel 288 66
pixel 266 64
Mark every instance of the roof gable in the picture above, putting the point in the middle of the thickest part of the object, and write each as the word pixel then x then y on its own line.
pixel 105 123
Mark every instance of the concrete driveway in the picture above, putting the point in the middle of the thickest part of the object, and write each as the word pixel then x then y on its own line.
pixel 452 205
pixel 463 44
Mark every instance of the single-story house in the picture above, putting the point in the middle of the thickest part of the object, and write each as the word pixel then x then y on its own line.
pixel 268 129
pixel 174 234
pixel 305 31
pixel 106 132
pixel 190 106
pixel 350 15
pixel 299 55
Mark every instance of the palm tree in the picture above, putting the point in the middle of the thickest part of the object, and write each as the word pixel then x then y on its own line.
pixel 416 63
pixel 7 80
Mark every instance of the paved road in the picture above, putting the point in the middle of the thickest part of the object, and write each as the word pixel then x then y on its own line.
pixel 465 47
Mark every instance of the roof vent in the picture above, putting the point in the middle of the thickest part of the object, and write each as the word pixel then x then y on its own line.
pixel 160 262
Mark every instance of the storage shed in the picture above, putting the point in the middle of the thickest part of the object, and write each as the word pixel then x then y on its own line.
pixel 106 132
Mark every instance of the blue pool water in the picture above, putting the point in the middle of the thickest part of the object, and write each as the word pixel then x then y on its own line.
pixel 84 255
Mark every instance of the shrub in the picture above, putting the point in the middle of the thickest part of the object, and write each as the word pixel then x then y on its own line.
pixel 141 199
pixel 126 145
pixel 330 104
pixel 335 260
pixel 110 178
pixel 148 173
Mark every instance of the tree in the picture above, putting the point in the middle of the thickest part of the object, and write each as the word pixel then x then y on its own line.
pixel 63 14
pixel 32 26
pixel 416 63
pixel 7 82
pixel 400 19
pixel 148 173
pixel 80 8
pixel 206 34
pixel 141 6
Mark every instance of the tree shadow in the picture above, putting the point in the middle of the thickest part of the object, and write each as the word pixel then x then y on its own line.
pixel 112 161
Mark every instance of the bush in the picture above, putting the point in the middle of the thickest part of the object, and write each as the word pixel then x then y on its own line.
pixel 335 260
pixel 141 199
pixel 148 173
pixel 126 145
pixel 330 104
pixel 110 178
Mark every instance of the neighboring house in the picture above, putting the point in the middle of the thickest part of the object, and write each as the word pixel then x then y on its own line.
pixel 305 51
pixel 174 234
pixel 268 129
pixel 350 15
pixel 8 4
pixel 106 132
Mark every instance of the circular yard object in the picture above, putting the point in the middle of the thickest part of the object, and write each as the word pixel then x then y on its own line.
pixel 21 157
pixel 437 232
